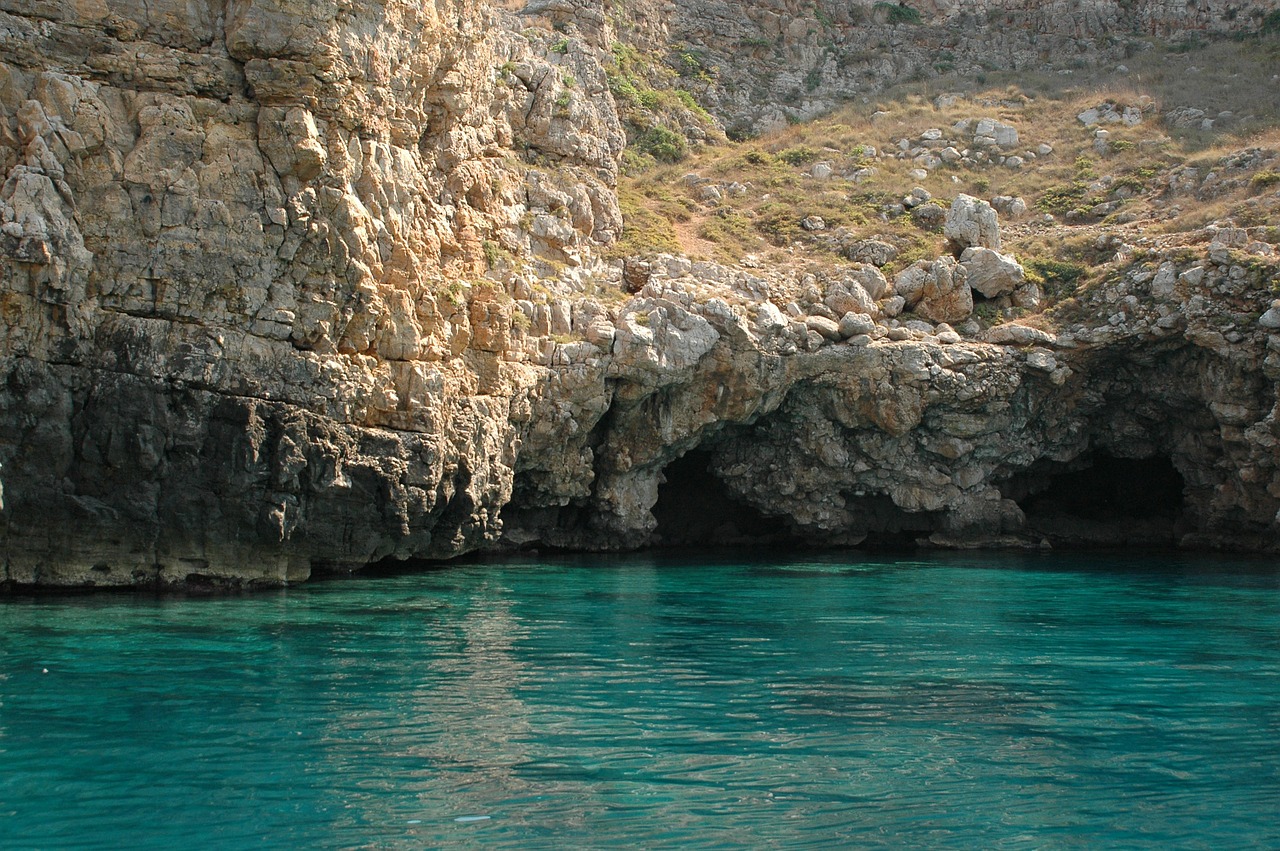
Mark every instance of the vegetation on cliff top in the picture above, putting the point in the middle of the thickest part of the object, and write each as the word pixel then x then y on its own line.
pixel 1197 145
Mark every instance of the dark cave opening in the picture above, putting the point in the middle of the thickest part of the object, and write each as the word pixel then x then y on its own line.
pixel 1111 502
pixel 695 508
pixel 886 526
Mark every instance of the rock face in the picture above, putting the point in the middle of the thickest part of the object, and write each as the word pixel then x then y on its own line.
pixel 240 329
pixel 288 288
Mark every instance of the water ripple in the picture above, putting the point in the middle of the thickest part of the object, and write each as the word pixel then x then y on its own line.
pixel 804 704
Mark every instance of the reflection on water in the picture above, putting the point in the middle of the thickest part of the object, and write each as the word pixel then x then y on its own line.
pixel 970 701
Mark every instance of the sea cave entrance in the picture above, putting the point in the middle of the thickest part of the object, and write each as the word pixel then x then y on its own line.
pixel 695 508
pixel 1112 502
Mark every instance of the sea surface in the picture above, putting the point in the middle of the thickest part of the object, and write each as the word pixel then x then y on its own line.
pixel 689 701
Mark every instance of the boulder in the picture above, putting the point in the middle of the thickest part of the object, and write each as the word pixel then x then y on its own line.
pixel 872 280
pixel 828 328
pixel 909 283
pixel 848 296
pixel 991 273
pixel 929 216
pixel 917 196
pixel 936 289
pixel 972 222
pixel 1028 296
pixel 1020 335
pixel 946 296
pixel 1184 117
pixel 988 132
pixel 892 306
pixel 872 251
pixel 1010 206
pixel 852 324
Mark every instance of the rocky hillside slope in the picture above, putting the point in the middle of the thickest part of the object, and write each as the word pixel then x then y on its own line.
pixel 764 63
pixel 297 287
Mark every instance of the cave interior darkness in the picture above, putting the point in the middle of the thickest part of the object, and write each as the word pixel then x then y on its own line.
pixel 1111 501
pixel 1108 489
pixel 695 508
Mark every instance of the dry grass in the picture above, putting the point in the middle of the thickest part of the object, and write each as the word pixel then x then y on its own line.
pixel 1131 170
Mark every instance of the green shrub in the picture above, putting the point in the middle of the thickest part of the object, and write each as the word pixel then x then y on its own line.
pixel 899 13
pixel 1060 199
pixel 731 232
pixel 1057 278
pixel 778 223
pixel 662 144
pixel 1265 179
pixel 799 155
pixel 492 253
pixel 687 101
pixel 1134 183
pixel 690 64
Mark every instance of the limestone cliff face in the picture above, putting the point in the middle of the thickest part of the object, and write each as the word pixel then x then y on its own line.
pixel 294 286
pixel 237 241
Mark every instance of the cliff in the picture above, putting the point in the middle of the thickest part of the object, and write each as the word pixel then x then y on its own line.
pixel 291 287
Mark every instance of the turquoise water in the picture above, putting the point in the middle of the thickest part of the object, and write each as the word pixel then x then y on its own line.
pixel 963 702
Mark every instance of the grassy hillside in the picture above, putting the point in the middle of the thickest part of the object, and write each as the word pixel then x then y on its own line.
pixel 1160 177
